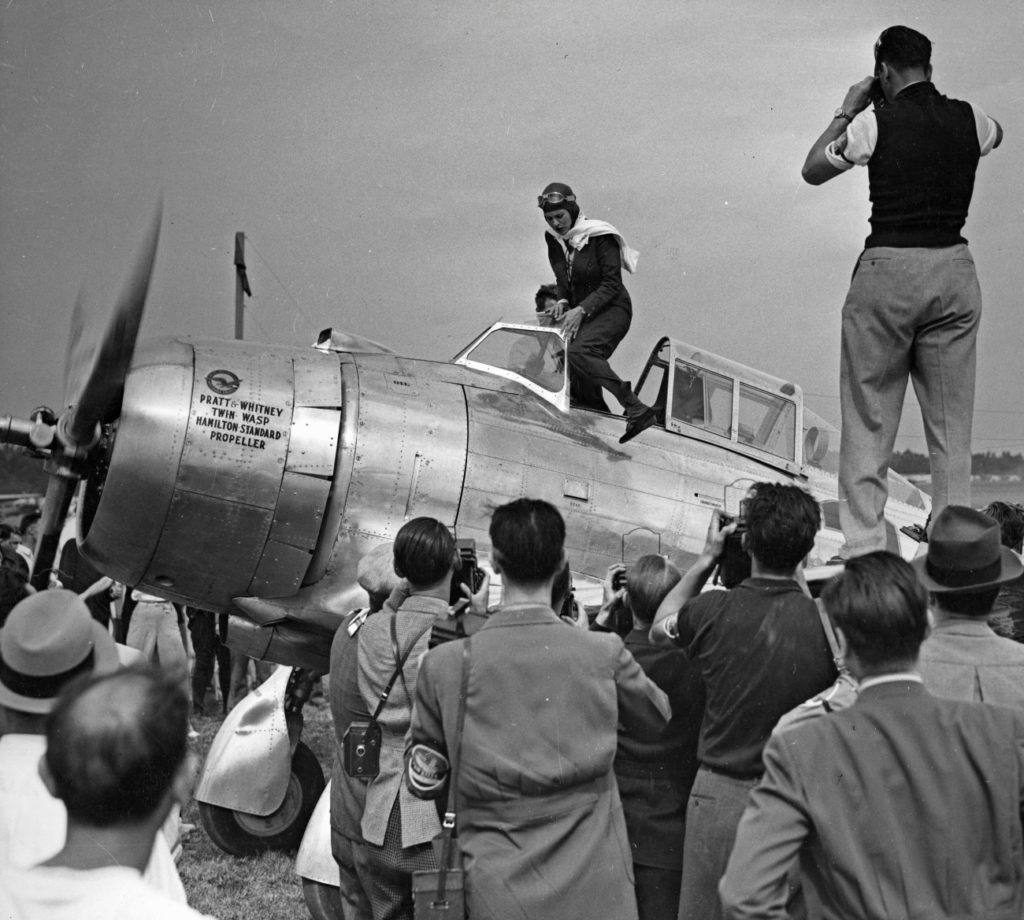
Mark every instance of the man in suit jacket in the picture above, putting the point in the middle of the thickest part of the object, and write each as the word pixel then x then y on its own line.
pixel 903 805
pixel 540 822
pixel 966 564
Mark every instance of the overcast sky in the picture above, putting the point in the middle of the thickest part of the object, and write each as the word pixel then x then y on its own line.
pixel 384 158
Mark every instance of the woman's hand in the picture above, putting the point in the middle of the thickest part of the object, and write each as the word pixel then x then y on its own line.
pixel 571 322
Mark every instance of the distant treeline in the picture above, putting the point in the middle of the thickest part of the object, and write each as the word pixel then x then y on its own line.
pixel 20 471
pixel 987 464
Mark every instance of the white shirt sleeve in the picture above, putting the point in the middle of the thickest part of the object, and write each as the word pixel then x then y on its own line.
pixel 855 146
pixel 987 130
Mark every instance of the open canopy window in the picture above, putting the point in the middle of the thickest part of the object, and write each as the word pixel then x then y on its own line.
pixel 533 356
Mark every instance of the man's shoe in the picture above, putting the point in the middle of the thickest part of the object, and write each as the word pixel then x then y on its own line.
pixel 640 423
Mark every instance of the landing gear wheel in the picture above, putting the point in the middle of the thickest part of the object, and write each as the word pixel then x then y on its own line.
pixel 241 834
pixel 322 901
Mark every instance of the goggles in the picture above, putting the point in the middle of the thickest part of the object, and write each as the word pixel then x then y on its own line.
pixel 554 198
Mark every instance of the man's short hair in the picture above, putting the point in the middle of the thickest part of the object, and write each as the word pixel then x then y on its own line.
pixel 424 551
pixel 903 48
pixel 544 293
pixel 527 537
pixel 967 603
pixel 1010 519
pixel 782 522
pixel 649 579
pixel 880 606
pixel 114 744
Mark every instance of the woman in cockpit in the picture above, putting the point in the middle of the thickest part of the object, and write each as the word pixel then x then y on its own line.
pixel 587 257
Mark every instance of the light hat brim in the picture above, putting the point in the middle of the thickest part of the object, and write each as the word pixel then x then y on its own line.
pixel 104 660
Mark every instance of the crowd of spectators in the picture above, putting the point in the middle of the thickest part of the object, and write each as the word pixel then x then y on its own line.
pixel 645 766
pixel 677 752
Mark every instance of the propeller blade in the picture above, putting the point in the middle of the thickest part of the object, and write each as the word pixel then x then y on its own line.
pixel 100 393
pixel 80 352
pixel 59 492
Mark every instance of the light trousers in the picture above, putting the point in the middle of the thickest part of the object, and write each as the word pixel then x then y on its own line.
pixel 910 313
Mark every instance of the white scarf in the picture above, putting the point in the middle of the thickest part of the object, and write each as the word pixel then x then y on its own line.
pixel 585 228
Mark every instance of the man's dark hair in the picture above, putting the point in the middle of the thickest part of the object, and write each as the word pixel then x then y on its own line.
pixel 782 522
pixel 903 48
pixel 968 603
pixel 880 606
pixel 649 579
pixel 27 520
pixel 1010 519
pixel 424 551
pixel 527 537
pixel 114 744
pixel 545 292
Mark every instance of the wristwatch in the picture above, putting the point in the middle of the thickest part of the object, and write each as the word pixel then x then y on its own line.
pixel 839 113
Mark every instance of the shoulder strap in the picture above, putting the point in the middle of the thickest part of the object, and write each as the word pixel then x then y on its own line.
pixel 449 830
pixel 830 636
pixel 398 667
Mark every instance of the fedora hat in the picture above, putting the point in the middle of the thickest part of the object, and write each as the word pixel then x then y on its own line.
pixel 965 553
pixel 49 639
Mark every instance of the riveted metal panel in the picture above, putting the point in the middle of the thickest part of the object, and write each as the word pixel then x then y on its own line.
pixel 317 380
pixel 280 570
pixel 212 544
pixel 410 450
pixel 238 424
pixel 602 491
pixel 313 441
pixel 300 510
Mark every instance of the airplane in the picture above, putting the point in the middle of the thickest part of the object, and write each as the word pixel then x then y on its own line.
pixel 249 479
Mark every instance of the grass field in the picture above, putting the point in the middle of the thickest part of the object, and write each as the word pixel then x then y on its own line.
pixel 266 886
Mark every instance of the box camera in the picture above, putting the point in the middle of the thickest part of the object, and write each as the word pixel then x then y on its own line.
pixel 360 749
pixel 464 623
pixel 734 563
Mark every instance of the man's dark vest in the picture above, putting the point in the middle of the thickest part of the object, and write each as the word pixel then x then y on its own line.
pixel 922 170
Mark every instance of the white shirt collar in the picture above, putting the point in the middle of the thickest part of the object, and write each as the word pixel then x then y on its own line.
pixel 890 678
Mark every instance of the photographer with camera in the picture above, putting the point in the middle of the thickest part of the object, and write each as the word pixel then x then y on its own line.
pixel 539 820
pixel 396 828
pixel 914 303
pixel 761 650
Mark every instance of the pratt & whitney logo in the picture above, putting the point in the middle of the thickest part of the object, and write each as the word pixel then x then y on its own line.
pixel 222 382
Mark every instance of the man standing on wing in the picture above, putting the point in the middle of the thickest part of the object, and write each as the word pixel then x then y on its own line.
pixel 914 302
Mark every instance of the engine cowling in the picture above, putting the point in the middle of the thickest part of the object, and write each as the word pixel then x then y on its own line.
pixel 218 474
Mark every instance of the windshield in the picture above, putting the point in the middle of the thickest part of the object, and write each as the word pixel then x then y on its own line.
pixel 534 353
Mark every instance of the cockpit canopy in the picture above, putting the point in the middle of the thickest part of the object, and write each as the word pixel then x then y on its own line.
pixel 712 398
pixel 726 403
pixel 533 356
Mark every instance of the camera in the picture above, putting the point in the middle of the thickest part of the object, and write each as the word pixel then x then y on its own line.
pixel 465 622
pixel 360 749
pixel 469 573
pixel 734 563
pixel 876 94
pixel 620 580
